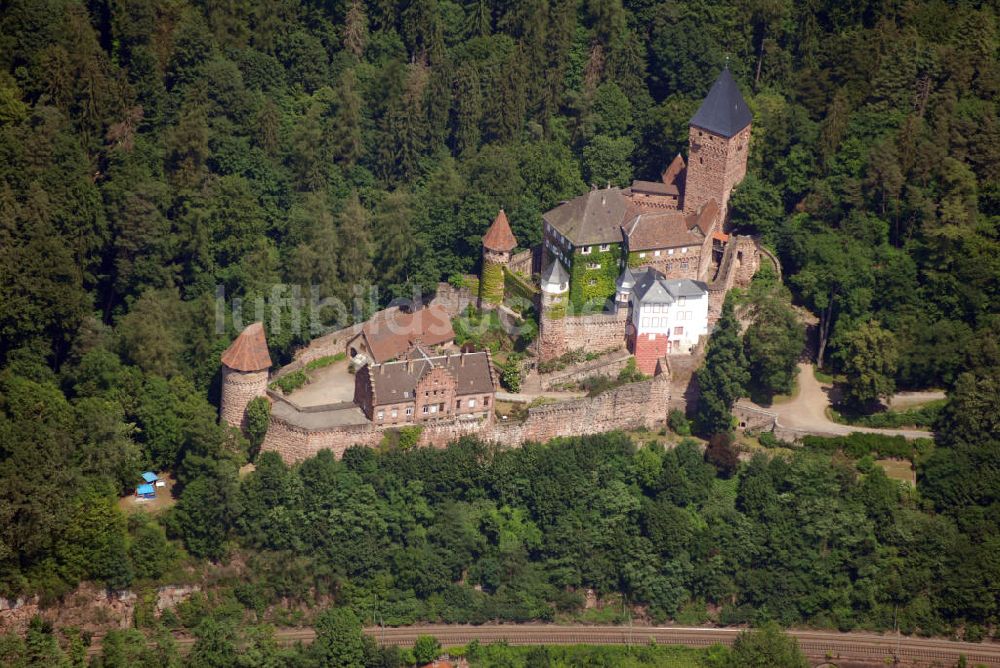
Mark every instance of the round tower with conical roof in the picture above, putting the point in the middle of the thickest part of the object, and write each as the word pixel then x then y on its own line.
pixel 244 374
pixel 498 243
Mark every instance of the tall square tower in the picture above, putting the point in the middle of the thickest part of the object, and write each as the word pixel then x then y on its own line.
pixel 718 141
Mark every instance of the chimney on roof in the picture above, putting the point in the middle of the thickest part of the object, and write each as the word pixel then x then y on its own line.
pixel 381 369
pixel 462 357
pixel 409 364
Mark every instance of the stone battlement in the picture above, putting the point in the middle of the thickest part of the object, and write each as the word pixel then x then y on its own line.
pixel 637 405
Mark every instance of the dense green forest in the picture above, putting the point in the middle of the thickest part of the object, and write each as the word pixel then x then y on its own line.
pixel 153 152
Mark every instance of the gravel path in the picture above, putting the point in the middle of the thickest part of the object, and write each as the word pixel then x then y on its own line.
pixel 807 411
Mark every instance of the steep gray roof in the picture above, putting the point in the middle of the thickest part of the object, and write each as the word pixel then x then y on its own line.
pixel 626 281
pixel 723 111
pixel 593 218
pixel 685 287
pixel 555 273
pixel 652 288
pixel 649 288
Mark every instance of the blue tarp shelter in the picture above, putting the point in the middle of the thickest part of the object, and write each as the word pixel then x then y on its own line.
pixel 150 477
pixel 145 491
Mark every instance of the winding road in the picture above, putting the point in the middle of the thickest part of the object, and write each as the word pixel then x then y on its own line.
pixel 821 646
pixel 806 412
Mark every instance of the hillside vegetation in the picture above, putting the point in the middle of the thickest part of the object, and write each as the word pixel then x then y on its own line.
pixel 156 154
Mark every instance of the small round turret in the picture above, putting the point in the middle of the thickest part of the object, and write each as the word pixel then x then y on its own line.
pixel 498 243
pixel 245 367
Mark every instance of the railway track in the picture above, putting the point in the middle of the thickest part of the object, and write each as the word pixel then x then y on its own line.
pixel 817 645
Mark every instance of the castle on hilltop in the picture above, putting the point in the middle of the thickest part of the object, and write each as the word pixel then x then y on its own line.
pixel 641 270
pixel 644 267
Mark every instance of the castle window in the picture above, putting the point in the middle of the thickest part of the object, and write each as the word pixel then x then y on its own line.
pixel 642 255
pixel 426 409
pixel 486 402
pixel 585 250
pixel 684 265
pixel 593 265
pixel 409 410
pixel 472 403
pixel 605 247
pixel 395 413
pixel 701 161
pixel 678 331
pixel 592 281
pixel 684 250
pixel 381 415
pixel 670 252
pixel 680 302
pixel 656 253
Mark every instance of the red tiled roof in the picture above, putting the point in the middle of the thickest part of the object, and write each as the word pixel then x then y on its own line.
pixel 670 229
pixel 706 217
pixel 249 351
pixel 675 170
pixel 499 237
pixel 392 334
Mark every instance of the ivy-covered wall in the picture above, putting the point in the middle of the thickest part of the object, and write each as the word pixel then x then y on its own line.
pixel 555 307
pixel 518 293
pixel 635 261
pixel 581 291
pixel 491 283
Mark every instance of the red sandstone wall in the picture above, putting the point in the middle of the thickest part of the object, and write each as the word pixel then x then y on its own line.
pixel 642 404
pixel 522 262
pixel 238 389
pixel 595 332
pixel 715 166
pixel 693 258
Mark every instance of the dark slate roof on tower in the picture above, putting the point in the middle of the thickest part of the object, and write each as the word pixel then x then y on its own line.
pixel 724 111
pixel 249 351
pixel 499 237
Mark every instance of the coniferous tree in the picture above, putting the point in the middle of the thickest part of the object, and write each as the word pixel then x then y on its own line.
pixel 723 375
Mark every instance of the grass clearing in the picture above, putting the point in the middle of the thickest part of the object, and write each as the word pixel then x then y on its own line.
pixel 899 469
